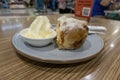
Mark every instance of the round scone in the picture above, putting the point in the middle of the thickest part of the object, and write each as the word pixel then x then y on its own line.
pixel 71 32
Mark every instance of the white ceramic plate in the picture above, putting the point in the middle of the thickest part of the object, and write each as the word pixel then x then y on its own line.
pixel 51 54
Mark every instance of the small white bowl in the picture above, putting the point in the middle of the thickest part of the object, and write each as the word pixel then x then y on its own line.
pixel 37 42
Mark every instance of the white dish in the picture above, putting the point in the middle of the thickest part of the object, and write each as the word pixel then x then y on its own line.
pixel 37 42
pixel 51 54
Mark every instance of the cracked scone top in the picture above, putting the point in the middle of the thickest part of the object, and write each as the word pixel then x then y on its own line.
pixel 71 32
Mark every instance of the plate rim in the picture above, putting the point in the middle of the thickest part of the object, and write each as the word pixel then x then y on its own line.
pixel 55 61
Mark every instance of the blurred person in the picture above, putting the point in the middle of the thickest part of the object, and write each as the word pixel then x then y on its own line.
pixel 49 4
pixel 99 7
pixel 26 2
pixel 54 5
pixel 15 0
pixel 66 6
pixel 40 5
pixel 115 6
pixel 4 4
pixel 31 3
pixel 45 5
pixel 70 5
pixel 0 3
pixel 62 6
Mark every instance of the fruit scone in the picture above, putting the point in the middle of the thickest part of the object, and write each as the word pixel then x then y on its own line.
pixel 71 32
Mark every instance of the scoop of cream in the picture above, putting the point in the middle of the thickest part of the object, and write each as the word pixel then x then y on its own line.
pixel 40 28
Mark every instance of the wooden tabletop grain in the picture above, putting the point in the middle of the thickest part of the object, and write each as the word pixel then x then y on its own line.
pixel 105 66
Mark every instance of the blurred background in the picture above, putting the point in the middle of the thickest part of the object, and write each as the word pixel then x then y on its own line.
pixel 42 7
pixel 32 7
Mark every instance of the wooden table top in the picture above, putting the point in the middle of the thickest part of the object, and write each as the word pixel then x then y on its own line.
pixel 105 66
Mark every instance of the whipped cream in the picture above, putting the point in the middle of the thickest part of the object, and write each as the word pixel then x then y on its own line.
pixel 40 28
